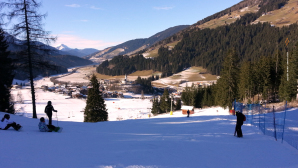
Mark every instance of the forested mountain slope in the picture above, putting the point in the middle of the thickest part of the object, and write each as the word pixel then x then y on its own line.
pixel 133 46
pixel 228 16
pixel 207 47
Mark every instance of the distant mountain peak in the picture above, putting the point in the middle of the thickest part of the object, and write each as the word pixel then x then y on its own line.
pixel 63 47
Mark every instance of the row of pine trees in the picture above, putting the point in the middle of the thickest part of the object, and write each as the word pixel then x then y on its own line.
pixel 272 78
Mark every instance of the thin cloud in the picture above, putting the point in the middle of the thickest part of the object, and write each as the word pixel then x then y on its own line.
pixel 96 8
pixel 68 32
pixel 163 8
pixel 73 41
pixel 73 6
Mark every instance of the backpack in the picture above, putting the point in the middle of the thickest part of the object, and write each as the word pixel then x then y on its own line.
pixel 244 118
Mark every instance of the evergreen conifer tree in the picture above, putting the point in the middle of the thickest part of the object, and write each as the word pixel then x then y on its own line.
pixel 246 81
pixel 165 102
pixel 178 104
pixel 288 86
pixel 6 76
pixel 95 109
pixel 227 88
pixel 155 106
pixel 278 71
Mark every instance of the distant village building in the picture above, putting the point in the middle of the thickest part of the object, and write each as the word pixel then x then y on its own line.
pixel 185 108
pixel 16 87
pixel 125 80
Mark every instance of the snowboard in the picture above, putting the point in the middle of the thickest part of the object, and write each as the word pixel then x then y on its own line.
pixel 20 129
pixel 58 129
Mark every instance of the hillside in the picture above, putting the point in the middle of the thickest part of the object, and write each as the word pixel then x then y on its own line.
pixel 207 47
pixel 133 46
pixel 55 56
pixel 62 61
pixel 266 11
pixel 69 61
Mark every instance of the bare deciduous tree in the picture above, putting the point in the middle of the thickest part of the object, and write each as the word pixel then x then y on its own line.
pixel 25 25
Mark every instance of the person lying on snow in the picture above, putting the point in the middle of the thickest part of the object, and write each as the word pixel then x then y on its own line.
pixel 5 123
pixel 45 128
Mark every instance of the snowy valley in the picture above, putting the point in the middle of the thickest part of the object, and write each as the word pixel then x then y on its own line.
pixel 139 140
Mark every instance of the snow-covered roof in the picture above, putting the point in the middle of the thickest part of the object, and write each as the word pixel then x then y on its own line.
pixel 187 107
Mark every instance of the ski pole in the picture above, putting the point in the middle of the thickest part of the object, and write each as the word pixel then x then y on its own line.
pixel 47 118
pixel 57 119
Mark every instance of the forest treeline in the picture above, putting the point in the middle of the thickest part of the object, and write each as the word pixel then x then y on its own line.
pixel 270 79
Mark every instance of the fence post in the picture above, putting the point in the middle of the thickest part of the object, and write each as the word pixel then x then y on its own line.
pixel 274 124
pixel 259 118
pixel 250 110
pixel 264 114
pixel 283 130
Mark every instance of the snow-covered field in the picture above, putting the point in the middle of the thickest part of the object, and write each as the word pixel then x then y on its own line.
pixel 165 141
pixel 72 109
pixel 203 140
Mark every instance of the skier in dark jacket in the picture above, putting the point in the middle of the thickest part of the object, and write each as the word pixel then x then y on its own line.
pixel 48 110
pixel 188 113
pixel 240 118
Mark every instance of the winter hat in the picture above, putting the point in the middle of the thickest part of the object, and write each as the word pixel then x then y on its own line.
pixel 41 119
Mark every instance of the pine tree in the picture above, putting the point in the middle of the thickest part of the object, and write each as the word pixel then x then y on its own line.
pixel 95 109
pixel 227 88
pixel 178 104
pixel 155 106
pixel 288 86
pixel 190 96
pixel 165 102
pixel 6 76
pixel 246 81
pixel 264 72
pixel 186 96
pixel 277 73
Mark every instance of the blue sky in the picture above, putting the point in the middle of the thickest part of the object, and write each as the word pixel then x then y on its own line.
pixel 103 23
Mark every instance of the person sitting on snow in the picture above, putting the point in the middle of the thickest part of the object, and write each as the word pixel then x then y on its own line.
pixel 5 123
pixel 43 127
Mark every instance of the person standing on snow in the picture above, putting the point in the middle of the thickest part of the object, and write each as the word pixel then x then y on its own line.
pixel 5 123
pixel 188 113
pixel 239 123
pixel 48 110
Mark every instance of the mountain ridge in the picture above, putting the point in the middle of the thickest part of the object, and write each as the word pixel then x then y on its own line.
pixel 133 46
pixel 76 52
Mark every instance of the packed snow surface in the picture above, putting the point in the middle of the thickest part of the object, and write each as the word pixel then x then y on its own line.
pixel 165 141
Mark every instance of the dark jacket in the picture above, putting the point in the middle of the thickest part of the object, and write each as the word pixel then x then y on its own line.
pixel 49 109
pixel 240 118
